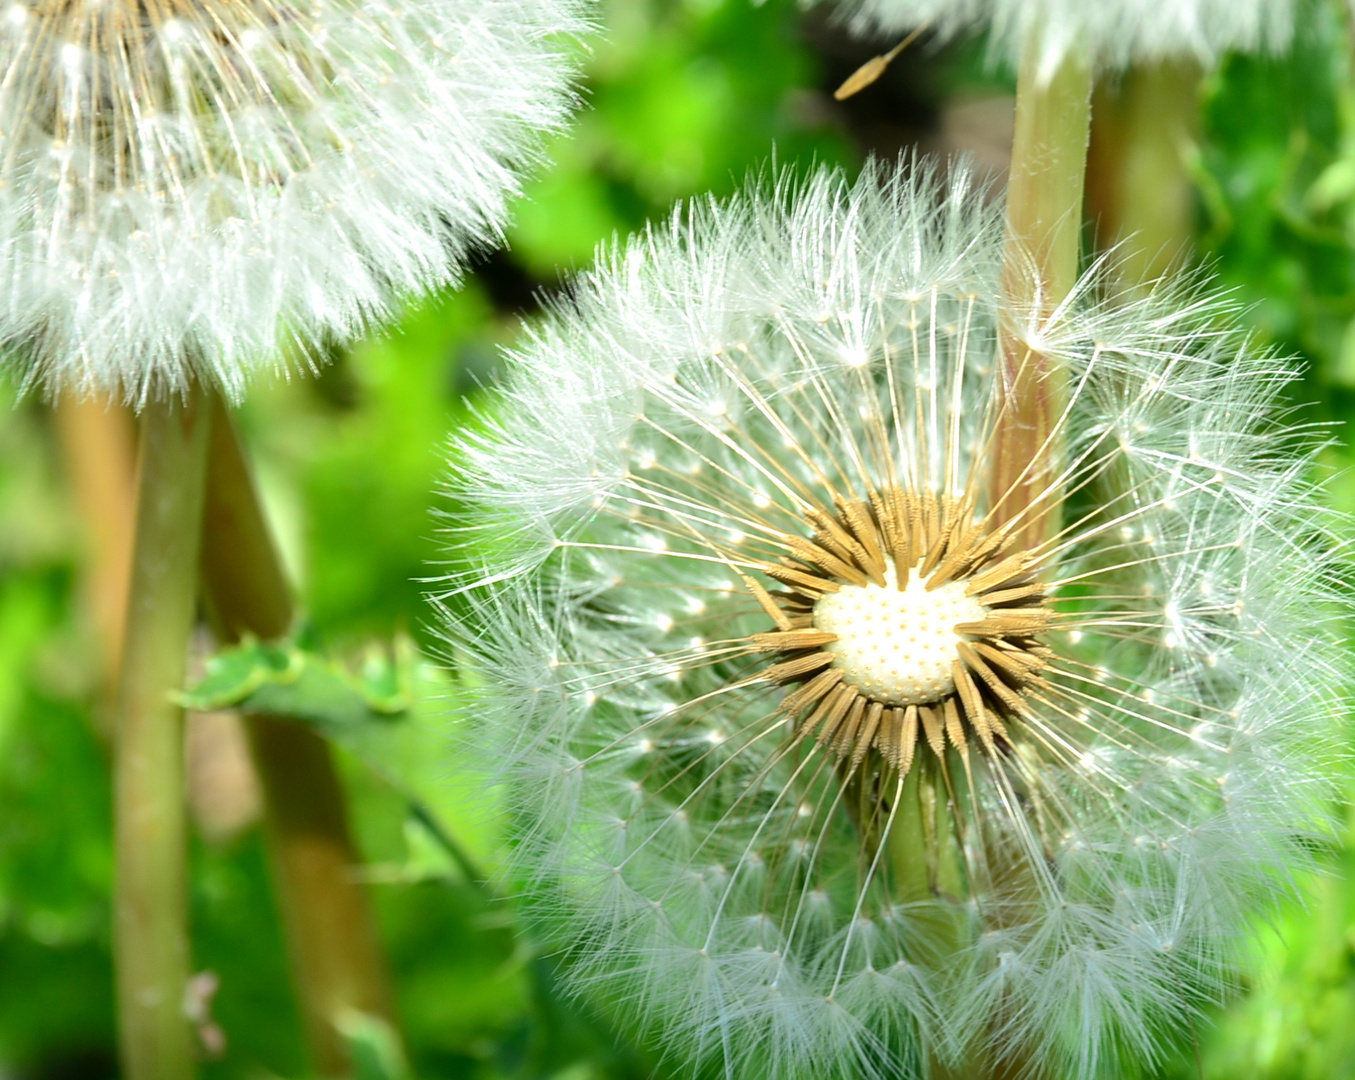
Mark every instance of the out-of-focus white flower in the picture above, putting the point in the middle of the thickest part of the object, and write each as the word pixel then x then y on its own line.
pixel 815 773
pixel 1109 33
pixel 187 186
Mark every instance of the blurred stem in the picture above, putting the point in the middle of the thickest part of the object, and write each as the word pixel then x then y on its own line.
pixel 1139 191
pixel 1040 260
pixel 98 448
pixel 336 959
pixel 150 889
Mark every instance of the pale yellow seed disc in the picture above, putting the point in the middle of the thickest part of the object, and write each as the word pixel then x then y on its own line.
pixel 896 645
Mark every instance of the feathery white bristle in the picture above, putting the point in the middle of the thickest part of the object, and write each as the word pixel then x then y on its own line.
pixel 1107 33
pixel 186 188
pixel 1070 892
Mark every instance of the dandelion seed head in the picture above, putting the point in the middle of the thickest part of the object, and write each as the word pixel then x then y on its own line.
pixel 926 789
pixel 1109 33
pixel 210 191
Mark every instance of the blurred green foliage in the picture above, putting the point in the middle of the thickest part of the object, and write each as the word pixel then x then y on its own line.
pixel 683 96
pixel 1276 173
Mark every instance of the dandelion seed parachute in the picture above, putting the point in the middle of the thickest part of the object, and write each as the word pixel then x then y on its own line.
pixel 1109 33
pixel 187 186
pixel 813 773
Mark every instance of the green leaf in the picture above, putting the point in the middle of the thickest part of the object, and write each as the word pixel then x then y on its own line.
pixel 286 681
pixel 372 714
pixel 235 674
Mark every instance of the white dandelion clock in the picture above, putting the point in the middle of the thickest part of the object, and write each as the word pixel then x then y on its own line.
pixel 1109 33
pixel 186 187
pixel 817 772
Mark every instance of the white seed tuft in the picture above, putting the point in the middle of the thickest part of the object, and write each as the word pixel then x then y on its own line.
pixel 1108 33
pixel 188 188
pixel 1005 892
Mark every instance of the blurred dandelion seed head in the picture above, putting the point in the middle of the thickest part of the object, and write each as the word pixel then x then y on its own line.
pixel 816 770
pixel 1107 33
pixel 187 186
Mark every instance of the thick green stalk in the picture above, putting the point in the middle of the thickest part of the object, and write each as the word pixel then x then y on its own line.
pixel 924 870
pixel 1139 192
pixel 337 964
pixel 150 887
pixel 1040 268
pixel 1040 263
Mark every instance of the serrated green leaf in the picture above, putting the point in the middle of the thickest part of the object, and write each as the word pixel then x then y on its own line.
pixel 234 674
pixel 384 683
pixel 285 681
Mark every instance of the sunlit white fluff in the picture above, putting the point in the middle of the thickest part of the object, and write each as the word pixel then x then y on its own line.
pixel 1113 33
pixel 185 187
pixel 709 381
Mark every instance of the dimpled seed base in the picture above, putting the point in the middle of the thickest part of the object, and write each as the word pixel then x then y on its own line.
pixel 896 646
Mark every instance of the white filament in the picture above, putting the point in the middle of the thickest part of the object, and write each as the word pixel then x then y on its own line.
pixel 1108 33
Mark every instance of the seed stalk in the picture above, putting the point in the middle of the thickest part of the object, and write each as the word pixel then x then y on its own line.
pixel 1040 264
pixel 150 883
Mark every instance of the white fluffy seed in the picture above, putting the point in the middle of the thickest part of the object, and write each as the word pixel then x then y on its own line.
pixel 1108 33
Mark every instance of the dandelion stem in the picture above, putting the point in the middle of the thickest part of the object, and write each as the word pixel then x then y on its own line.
pixel 924 868
pixel 1040 267
pixel 150 890
pixel 1040 257
pixel 337 963
pixel 1139 192
pixel 909 857
pixel 98 450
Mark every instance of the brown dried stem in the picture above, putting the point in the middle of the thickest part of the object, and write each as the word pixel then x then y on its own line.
pixel 98 449
pixel 1139 191
pixel 337 963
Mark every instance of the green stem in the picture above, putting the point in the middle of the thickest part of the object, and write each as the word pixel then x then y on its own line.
pixel 1139 192
pixel 150 890
pixel 1040 262
pixel 924 860
pixel 1040 267
pixel 338 967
